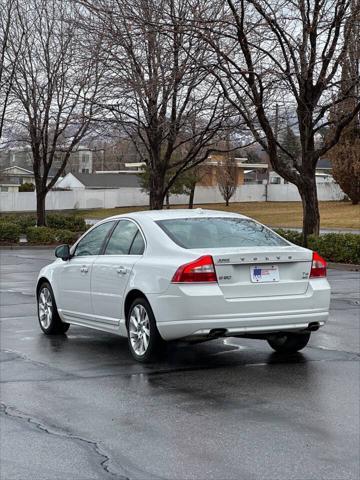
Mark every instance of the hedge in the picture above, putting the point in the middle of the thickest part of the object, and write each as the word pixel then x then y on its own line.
pixel 334 247
pixel 66 236
pixel 22 221
pixel 41 235
pixel 9 232
pixel 25 221
pixel 61 221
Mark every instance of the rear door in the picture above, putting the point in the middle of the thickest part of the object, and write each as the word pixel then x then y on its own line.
pixel 112 271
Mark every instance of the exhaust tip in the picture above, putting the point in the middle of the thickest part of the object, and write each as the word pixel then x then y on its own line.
pixel 217 332
pixel 313 326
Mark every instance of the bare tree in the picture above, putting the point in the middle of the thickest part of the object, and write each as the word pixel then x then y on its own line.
pixel 56 80
pixel 7 11
pixel 226 175
pixel 286 53
pixel 155 86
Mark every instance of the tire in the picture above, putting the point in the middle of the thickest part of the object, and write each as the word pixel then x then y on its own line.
pixel 49 319
pixel 144 340
pixel 289 342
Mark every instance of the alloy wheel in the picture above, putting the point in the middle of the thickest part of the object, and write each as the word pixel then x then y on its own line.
pixel 139 329
pixel 45 308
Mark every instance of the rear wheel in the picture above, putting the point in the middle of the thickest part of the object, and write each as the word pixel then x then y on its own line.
pixel 50 322
pixel 289 342
pixel 144 340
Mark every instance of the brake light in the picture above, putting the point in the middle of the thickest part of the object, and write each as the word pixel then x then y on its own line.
pixel 318 266
pixel 201 270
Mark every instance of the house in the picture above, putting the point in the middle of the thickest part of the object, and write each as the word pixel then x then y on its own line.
pixel 324 166
pixel 18 175
pixel 81 160
pixel 16 156
pixel 255 173
pixel 8 185
pixel 103 180
pixel 323 174
pixel 11 178
pixel 209 170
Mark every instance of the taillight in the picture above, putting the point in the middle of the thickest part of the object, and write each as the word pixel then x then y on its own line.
pixel 201 270
pixel 318 266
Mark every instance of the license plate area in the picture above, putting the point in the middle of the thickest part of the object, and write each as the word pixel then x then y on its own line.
pixel 264 273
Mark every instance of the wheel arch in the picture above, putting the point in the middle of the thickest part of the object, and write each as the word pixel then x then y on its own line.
pixel 130 297
pixel 40 282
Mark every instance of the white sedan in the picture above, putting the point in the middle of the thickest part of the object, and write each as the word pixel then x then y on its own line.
pixel 196 275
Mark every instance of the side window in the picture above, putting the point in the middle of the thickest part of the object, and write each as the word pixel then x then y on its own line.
pixel 92 242
pixel 138 245
pixel 122 239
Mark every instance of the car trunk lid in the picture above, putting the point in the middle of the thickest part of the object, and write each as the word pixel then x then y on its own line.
pixel 262 271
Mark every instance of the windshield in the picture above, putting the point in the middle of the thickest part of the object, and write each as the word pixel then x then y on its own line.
pixel 218 232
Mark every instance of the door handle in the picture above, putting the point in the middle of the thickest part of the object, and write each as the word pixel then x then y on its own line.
pixel 122 270
pixel 84 269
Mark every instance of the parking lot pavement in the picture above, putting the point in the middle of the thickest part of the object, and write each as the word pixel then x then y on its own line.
pixel 76 407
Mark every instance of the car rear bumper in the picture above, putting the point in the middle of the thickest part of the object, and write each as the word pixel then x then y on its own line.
pixel 199 310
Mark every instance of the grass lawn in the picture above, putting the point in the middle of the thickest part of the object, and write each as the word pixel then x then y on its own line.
pixel 275 214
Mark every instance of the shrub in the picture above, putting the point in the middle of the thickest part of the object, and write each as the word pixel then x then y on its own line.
pixel 27 187
pixel 22 221
pixel 41 235
pixel 66 236
pixel 25 221
pixel 61 221
pixel 292 235
pixel 9 232
pixel 334 247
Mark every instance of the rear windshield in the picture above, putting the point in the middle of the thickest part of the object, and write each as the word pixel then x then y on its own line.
pixel 218 232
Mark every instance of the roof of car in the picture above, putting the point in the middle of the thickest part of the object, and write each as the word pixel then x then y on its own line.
pixel 179 213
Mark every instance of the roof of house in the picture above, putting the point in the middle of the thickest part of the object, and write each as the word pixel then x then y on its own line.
pixel 13 171
pixel 324 164
pixel 108 180
pixel 17 171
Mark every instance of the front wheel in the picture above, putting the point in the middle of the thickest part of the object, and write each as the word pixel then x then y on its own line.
pixel 49 319
pixel 289 342
pixel 144 340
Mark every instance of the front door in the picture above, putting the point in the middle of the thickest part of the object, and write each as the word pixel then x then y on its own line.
pixel 74 296
pixel 112 272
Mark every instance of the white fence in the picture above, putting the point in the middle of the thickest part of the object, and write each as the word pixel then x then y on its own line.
pixel 129 197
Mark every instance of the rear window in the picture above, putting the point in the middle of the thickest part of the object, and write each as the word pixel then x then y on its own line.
pixel 218 232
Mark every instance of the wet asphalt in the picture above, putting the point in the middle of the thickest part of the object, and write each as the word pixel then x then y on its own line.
pixel 77 407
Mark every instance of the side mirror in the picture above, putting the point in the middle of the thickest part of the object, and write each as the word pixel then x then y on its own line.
pixel 63 252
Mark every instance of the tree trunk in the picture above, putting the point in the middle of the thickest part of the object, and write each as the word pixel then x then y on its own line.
pixel 191 196
pixel 40 208
pixel 227 201
pixel 156 191
pixel 167 198
pixel 156 201
pixel 311 214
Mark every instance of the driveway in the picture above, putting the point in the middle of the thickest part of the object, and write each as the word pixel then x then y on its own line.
pixel 77 407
